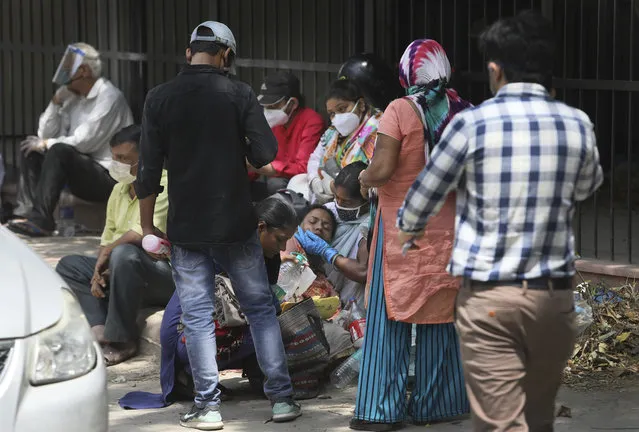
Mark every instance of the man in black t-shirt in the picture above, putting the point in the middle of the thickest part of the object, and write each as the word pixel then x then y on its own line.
pixel 204 126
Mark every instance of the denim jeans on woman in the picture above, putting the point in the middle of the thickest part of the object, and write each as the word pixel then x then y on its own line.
pixel 194 275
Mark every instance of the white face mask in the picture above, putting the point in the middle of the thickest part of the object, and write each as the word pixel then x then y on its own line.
pixel 121 172
pixel 277 117
pixel 346 123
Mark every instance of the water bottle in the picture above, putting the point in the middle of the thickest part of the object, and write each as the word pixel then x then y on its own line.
pixel 290 276
pixel 341 319
pixel 356 323
pixel 156 245
pixel 66 224
pixel 347 372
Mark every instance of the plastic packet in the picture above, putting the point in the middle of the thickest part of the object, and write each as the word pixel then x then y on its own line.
pixel 583 311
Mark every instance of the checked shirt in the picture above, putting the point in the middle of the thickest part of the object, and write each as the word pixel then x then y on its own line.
pixel 518 163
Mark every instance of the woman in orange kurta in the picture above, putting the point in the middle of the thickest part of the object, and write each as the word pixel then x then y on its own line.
pixel 413 288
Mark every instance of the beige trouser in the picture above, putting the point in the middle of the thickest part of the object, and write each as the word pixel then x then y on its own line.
pixel 515 342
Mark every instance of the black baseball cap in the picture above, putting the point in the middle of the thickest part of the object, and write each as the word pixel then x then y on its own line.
pixel 279 86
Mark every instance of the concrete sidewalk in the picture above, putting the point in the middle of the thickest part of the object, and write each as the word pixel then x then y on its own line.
pixel 51 249
pixel 608 410
pixel 614 409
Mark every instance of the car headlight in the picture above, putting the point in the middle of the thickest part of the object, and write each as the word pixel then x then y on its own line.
pixel 64 351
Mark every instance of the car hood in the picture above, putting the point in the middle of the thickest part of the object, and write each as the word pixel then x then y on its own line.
pixel 30 291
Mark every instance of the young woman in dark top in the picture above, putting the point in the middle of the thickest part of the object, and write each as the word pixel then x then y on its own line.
pixel 277 224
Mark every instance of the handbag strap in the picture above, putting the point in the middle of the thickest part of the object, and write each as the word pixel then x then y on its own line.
pixel 227 286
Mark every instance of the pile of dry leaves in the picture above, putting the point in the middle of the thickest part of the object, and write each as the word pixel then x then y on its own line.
pixel 611 342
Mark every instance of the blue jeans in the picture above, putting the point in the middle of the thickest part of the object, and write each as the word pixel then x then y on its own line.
pixel 194 275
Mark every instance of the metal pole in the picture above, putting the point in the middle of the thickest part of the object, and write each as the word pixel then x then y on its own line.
pixel 630 123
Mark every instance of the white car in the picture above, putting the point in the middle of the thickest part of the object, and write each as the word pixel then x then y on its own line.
pixel 52 375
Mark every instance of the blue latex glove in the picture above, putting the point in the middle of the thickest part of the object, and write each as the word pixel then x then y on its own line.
pixel 315 245
pixel 309 245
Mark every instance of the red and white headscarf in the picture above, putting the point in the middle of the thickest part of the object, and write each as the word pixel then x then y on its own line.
pixel 423 62
pixel 424 71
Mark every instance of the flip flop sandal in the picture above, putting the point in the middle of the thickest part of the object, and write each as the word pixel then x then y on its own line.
pixel 28 228
pixel 113 356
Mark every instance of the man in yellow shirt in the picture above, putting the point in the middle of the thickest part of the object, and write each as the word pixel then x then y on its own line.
pixel 112 287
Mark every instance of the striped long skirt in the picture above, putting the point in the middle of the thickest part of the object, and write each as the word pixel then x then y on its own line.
pixel 439 391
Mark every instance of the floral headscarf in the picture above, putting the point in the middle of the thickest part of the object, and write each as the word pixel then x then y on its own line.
pixel 424 71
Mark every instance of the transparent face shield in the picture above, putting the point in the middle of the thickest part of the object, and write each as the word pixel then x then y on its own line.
pixel 71 61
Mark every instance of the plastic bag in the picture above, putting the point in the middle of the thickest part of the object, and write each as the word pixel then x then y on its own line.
pixel 583 311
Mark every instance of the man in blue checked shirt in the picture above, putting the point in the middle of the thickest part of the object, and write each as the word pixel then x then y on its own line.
pixel 519 162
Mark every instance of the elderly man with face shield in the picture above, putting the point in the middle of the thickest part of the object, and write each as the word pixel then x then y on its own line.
pixel 112 286
pixel 72 144
pixel 296 128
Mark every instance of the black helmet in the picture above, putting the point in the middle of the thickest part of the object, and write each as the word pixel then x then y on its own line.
pixel 373 75
pixel 297 200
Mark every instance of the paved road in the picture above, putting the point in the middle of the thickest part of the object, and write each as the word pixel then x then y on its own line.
pixel 600 411
pixel 610 410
